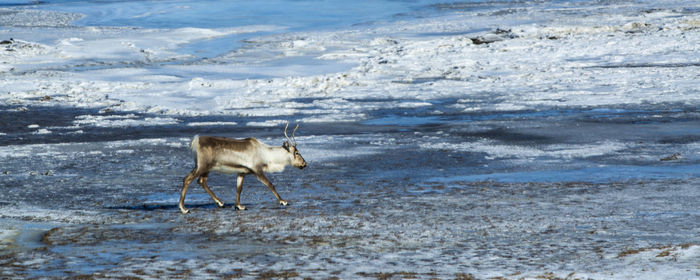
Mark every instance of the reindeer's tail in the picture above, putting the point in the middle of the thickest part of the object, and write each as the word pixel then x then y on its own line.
pixel 195 144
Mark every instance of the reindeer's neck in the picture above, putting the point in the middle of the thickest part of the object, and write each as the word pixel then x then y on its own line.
pixel 277 159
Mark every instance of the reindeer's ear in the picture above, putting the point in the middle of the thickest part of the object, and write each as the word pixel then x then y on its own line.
pixel 286 145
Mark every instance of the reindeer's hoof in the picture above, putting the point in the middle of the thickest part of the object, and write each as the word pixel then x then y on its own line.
pixel 221 204
pixel 240 207
pixel 283 202
pixel 184 211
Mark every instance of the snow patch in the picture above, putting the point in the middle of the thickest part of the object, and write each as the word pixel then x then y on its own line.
pixel 39 214
pixel 212 123
pixel 495 150
pixel 122 121
pixel 8 234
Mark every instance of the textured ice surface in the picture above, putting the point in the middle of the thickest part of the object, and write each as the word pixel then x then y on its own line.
pixel 555 139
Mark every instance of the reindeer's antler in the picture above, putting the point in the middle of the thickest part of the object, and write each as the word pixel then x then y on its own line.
pixel 285 134
pixel 295 130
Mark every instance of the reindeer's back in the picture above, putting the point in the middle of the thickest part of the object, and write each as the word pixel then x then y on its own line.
pixel 227 155
pixel 223 143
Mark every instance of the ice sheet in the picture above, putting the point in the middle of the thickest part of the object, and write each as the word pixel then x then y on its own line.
pixel 632 57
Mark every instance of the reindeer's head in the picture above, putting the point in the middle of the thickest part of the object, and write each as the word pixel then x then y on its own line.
pixel 297 160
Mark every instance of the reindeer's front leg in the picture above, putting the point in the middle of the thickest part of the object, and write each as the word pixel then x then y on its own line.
pixel 261 176
pixel 239 188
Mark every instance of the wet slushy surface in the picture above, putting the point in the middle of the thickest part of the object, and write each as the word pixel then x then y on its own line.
pixel 586 192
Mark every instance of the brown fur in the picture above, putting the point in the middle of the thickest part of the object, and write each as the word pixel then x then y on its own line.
pixel 216 143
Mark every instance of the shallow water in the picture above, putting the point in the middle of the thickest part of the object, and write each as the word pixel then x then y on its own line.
pixel 280 16
pixel 294 15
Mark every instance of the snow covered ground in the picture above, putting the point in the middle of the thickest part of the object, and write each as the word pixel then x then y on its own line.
pixel 546 139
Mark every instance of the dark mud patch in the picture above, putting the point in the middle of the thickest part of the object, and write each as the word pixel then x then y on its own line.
pixel 270 274
pixel 94 235
pixel 165 207
pixel 660 251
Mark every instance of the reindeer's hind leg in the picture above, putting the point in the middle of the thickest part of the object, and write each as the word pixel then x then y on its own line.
pixel 203 182
pixel 185 184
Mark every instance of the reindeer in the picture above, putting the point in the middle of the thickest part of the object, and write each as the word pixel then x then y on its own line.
pixel 242 157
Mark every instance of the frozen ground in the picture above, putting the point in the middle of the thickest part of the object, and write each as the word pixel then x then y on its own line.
pixel 532 203
pixel 566 146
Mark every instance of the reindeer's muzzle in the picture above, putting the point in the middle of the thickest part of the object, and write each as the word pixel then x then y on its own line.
pixel 302 166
